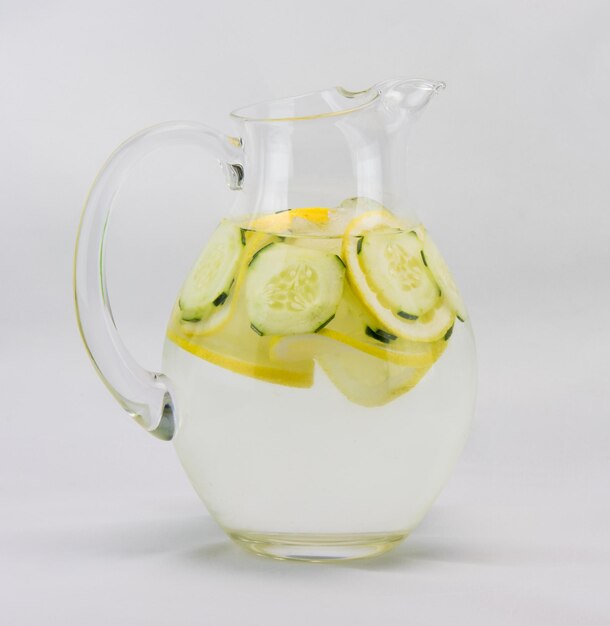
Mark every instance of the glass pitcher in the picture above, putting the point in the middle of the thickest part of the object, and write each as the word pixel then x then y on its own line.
pixel 319 366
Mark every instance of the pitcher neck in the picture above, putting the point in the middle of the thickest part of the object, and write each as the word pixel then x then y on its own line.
pixel 323 147
pixel 322 162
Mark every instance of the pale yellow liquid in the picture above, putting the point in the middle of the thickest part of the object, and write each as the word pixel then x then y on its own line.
pixel 272 459
pixel 305 472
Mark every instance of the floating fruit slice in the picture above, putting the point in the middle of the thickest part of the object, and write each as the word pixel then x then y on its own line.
pixel 395 268
pixel 209 282
pixel 283 222
pixel 236 348
pixel 316 215
pixel 295 348
pixel 291 375
pixel 225 307
pixel 431 326
pixel 367 380
pixel 364 379
pixel 291 290
pixel 435 262
pixel 354 326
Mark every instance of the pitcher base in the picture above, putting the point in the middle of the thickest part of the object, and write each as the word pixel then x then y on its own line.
pixel 317 548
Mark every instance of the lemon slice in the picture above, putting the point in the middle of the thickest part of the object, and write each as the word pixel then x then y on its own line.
pixel 236 347
pixel 290 375
pixel 362 378
pixel 354 326
pixel 396 270
pixel 316 214
pixel 283 222
pixel 367 380
pixel 431 326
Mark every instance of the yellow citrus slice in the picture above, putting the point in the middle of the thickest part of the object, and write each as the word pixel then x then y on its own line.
pixel 362 378
pixel 238 348
pixel 366 380
pixel 291 375
pixel 355 326
pixel 431 326
pixel 283 222
pixel 315 214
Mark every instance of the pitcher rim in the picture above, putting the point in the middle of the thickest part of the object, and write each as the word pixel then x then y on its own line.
pixel 240 114
pixel 391 87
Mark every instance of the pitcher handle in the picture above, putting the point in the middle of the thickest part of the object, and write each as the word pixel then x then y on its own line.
pixel 145 395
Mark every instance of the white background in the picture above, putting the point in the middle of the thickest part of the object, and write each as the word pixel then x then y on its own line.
pixel 509 169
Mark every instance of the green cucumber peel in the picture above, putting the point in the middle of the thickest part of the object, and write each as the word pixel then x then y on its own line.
pixel 407 316
pixel 326 323
pixel 448 333
pixel 258 252
pixel 380 335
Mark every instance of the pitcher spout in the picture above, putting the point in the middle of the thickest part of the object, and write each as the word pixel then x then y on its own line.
pixel 410 95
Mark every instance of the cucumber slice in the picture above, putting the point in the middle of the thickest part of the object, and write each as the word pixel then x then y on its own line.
pixel 396 271
pixel 291 290
pixel 208 285
pixel 354 326
pixel 223 312
pixel 443 277
pixel 431 326
pixel 363 379
pixel 208 325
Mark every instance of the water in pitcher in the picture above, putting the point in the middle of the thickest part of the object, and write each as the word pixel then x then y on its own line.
pixel 322 367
